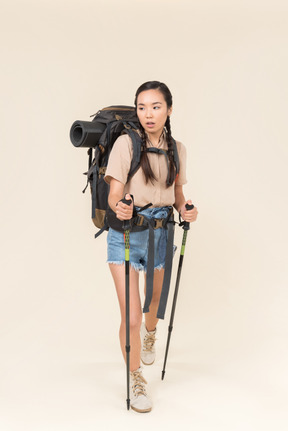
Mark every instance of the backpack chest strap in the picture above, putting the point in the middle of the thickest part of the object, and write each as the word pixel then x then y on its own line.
pixel 159 151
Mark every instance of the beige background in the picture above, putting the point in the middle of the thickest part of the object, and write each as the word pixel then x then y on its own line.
pixel 226 65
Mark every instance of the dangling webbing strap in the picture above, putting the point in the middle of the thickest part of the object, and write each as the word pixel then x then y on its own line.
pixel 167 271
pixel 150 269
pixel 95 173
pixel 105 227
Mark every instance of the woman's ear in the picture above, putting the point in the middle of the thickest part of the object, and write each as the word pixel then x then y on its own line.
pixel 169 111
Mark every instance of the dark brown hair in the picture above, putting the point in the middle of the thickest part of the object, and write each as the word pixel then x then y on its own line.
pixel 144 162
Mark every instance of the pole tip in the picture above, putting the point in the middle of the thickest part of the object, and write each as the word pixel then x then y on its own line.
pixel 163 374
pixel 128 404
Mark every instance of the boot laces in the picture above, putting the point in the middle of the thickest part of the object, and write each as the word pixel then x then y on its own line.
pixel 149 341
pixel 138 383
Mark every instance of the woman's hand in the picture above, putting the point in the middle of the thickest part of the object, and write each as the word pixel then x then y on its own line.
pixel 188 215
pixel 124 211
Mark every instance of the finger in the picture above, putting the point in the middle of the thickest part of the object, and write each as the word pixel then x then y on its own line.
pixel 124 214
pixel 128 198
pixel 124 210
pixel 122 206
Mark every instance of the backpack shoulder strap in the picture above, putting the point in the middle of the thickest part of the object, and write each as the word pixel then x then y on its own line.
pixel 136 145
pixel 165 153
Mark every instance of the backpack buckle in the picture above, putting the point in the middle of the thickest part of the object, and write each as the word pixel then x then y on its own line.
pixel 139 220
pixel 158 223
pixel 102 170
pixel 127 125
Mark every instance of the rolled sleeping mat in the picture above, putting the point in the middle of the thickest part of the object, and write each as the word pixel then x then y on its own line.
pixel 86 133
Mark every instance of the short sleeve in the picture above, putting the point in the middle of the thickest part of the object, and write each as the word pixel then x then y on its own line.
pixel 119 160
pixel 181 179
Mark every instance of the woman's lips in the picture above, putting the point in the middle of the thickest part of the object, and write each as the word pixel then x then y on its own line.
pixel 150 124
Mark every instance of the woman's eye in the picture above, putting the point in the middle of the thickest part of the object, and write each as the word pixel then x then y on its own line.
pixel 140 108
pixel 156 107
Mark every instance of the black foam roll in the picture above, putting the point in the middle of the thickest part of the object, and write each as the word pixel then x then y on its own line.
pixel 86 133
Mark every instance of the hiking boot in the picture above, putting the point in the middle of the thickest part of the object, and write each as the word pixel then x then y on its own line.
pixel 139 401
pixel 147 349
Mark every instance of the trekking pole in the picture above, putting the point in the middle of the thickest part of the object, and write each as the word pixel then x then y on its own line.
pixel 186 227
pixel 126 227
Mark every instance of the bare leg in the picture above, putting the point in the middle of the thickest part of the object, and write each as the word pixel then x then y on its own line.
pixel 150 318
pixel 118 273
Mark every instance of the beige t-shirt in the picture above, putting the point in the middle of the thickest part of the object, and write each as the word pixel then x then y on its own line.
pixel 157 193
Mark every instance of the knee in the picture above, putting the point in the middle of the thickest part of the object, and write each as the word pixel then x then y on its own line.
pixel 156 297
pixel 135 321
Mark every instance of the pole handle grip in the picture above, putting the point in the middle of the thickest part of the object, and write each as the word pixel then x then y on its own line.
pixel 126 201
pixel 186 225
pixel 126 223
pixel 189 207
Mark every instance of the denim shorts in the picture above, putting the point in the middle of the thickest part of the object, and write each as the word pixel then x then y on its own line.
pixel 139 243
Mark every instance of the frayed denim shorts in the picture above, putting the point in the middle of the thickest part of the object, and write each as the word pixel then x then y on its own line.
pixel 139 243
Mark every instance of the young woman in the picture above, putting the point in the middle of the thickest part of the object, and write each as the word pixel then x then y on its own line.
pixel 155 182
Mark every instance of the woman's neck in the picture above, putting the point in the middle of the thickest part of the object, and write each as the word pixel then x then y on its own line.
pixel 154 138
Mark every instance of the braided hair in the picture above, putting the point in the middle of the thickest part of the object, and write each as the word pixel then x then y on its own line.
pixel 172 171
pixel 144 161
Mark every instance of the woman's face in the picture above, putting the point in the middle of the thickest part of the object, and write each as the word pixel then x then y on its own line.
pixel 152 111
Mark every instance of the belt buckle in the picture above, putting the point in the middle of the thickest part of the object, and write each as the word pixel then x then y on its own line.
pixel 140 220
pixel 158 223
